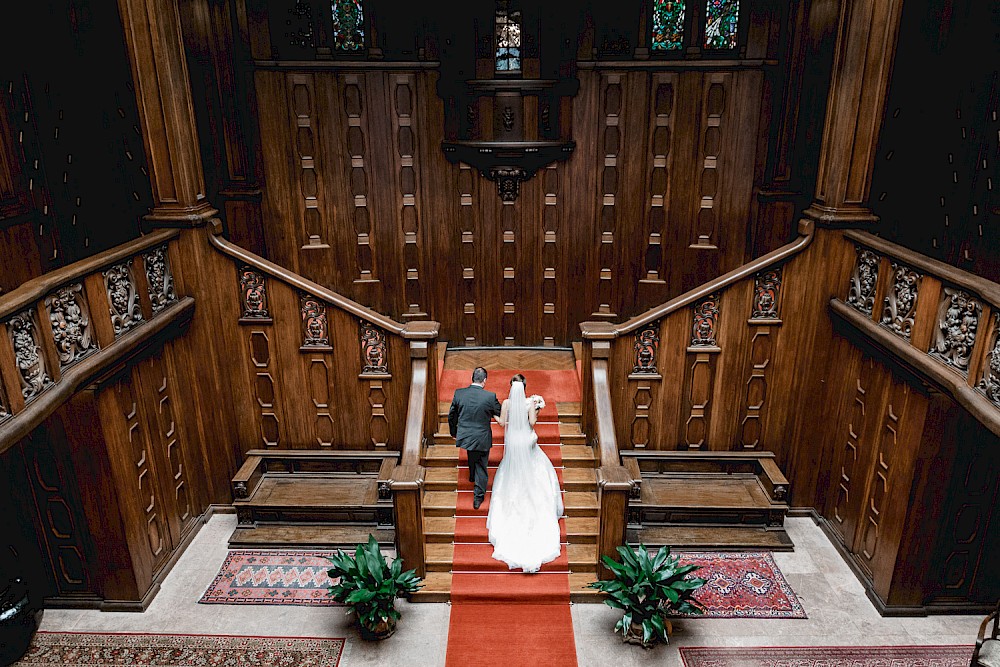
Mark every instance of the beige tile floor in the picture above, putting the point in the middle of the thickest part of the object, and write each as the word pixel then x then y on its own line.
pixel 839 613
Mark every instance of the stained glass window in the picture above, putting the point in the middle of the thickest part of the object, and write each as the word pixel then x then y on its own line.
pixel 348 25
pixel 721 21
pixel 508 38
pixel 668 24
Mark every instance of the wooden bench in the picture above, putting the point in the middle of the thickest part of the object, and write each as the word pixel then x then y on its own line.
pixel 707 500
pixel 313 498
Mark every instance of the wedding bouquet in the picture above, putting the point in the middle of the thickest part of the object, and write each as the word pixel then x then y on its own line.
pixel 536 401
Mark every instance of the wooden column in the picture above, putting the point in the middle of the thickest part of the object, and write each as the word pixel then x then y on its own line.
pixel 407 485
pixel 614 484
pixel 862 64
pixel 166 112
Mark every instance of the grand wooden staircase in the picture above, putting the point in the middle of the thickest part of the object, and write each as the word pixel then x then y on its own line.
pixel 442 495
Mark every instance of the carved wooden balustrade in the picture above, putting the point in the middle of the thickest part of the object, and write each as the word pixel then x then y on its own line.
pixel 370 382
pixel 666 379
pixel 62 330
pixel 939 322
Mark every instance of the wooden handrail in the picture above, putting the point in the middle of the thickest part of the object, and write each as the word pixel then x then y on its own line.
pixel 607 443
pixel 418 330
pixel 987 289
pixel 413 433
pixel 912 358
pixel 609 330
pixel 35 290
pixel 84 371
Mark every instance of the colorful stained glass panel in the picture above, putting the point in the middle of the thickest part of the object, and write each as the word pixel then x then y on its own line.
pixel 721 22
pixel 348 25
pixel 668 25
pixel 508 35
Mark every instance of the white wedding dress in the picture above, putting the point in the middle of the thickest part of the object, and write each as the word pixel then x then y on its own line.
pixel 526 502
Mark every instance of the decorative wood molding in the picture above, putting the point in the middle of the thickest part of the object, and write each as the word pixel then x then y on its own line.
pixel 123 298
pixel 32 366
pixel 900 306
pixel 766 292
pixel 69 316
pixel 922 365
pixel 989 382
pixel 315 330
pixel 374 353
pixel 864 280
pixel 253 292
pixel 647 342
pixel 608 331
pixel 159 278
pixel 958 319
pixel 705 322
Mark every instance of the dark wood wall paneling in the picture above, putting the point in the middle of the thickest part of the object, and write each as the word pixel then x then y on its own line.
pixel 936 170
pixel 73 180
pixel 659 196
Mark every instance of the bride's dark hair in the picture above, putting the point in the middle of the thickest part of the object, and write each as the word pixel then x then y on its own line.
pixel 519 378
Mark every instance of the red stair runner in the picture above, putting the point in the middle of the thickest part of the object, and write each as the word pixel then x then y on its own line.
pixel 501 617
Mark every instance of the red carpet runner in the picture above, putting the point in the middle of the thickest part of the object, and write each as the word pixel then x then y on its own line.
pixel 499 617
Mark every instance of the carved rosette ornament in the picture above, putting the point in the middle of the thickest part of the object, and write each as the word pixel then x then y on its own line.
pixel 958 323
pixel 508 181
pixel 765 295
pixel 990 382
pixel 126 312
pixel 70 320
pixel 374 357
pixel 647 341
pixel 900 305
pixel 706 316
pixel 254 294
pixel 28 355
pixel 314 326
pixel 159 278
pixel 863 281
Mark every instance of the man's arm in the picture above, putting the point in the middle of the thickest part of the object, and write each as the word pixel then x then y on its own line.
pixel 453 419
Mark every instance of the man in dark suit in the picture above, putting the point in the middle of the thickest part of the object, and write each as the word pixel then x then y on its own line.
pixel 472 411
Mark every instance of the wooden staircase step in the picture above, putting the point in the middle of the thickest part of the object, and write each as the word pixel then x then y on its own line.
pixel 576 503
pixel 436 588
pixel 578 590
pixel 578 456
pixel 569 412
pixel 582 557
pixel 711 538
pixel 441 478
pixel 282 536
pixel 579 530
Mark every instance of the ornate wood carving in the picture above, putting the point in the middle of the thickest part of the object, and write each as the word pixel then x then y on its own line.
pixel 766 288
pixel 374 355
pixel 642 400
pixel 957 326
pixel 315 330
pixel 378 425
pixel 864 280
pixel 357 146
pixel 302 103
pixel 409 188
pixel 647 342
pixel 169 442
pixel 706 226
pixel 31 364
pixel 123 298
pixel 900 305
pixel 319 392
pixel 263 386
pixel 607 226
pixel 852 459
pixel 755 396
pixel 70 318
pixel 989 383
pixel 550 255
pixel 706 317
pixel 699 379
pixel 159 278
pixel 253 290
pixel 468 253
pixel 5 412
pixel 660 140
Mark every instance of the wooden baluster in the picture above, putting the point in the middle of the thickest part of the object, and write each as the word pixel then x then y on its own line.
pixel 614 485
pixel 407 486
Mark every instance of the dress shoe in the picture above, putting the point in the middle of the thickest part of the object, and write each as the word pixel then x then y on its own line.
pixel 476 503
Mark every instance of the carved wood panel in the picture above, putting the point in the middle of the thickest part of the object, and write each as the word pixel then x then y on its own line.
pixel 716 89
pixel 69 316
pixel 264 393
pixel 469 253
pixel 660 140
pixel 406 123
pixel 302 100
pixel 357 146
pixel 612 138
pixel 551 260
pixel 33 369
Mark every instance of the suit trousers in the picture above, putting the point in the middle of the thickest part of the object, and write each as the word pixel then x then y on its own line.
pixel 477 471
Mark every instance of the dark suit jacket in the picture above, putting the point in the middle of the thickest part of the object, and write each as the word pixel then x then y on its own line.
pixel 472 410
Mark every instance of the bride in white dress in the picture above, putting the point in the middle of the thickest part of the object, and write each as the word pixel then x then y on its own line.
pixel 526 502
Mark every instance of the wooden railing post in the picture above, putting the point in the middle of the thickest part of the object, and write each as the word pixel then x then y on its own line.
pixel 407 486
pixel 614 485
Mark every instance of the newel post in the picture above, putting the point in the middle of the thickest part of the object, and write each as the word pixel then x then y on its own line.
pixel 614 485
pixel 407 486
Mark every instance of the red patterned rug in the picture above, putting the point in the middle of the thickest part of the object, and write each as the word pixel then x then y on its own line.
pixel 828 656
pixel 272 577
pixel 743 585
pixel 91 648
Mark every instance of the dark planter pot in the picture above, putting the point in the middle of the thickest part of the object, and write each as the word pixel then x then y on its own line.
pixel 19 619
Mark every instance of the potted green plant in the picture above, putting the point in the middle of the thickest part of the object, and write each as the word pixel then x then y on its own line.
pixel 648 588
pixel 369 586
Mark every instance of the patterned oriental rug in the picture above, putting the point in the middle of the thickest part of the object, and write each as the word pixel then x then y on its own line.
pixel 828 656
pixel 272 577
pixel 743 585
pixel 87 648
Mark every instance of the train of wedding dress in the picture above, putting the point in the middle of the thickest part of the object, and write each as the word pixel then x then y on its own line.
pixel 526 502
